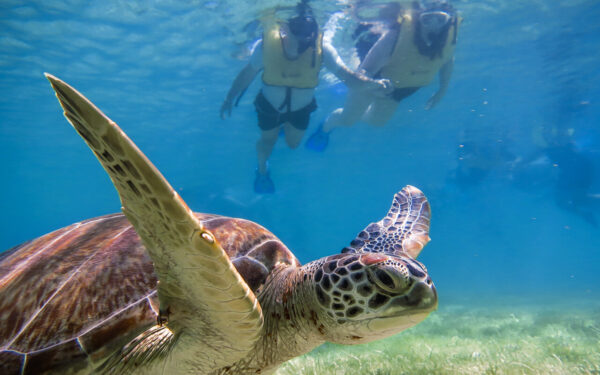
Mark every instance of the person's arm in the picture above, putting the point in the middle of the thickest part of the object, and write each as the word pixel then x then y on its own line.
pixel 241 83
pixel 333 62
pixel 380 53
pixel 445 74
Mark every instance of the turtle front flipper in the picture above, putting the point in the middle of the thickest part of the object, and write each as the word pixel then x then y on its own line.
pixel 405 228
pixel 203 299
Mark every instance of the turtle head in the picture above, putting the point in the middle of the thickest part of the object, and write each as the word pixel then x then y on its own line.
pixel 369 296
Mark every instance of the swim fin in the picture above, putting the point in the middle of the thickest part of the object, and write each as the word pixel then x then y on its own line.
pixel 263 183
pixel 318 140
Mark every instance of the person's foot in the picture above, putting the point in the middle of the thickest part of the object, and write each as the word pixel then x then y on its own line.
pixel 263 183
pixel 318 140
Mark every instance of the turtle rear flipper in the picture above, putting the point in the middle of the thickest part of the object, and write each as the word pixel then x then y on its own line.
pixel 202 296
pixel 404 230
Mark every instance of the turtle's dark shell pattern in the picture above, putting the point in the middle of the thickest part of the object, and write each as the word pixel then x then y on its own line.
pixel 75 295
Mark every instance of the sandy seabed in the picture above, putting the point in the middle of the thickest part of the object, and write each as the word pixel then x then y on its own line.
pixel 494 338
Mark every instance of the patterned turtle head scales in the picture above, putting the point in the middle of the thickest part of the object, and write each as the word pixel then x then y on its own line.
pixel 376 288
pixel 368 296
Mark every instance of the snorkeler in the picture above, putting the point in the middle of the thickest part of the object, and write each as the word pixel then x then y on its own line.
pixel 406 46
pixel 574 178
pixel 290 55
pixel 571 169
pixel 480 155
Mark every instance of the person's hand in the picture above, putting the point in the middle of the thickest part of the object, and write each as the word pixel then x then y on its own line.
pixel 387 85
pixel 382 87
pixel 226 109
pixel 434 100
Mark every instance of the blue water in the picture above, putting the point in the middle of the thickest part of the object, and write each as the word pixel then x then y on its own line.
pixel 162 69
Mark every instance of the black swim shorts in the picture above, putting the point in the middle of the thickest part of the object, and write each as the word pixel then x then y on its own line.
pixel 403 92
pixel 270 118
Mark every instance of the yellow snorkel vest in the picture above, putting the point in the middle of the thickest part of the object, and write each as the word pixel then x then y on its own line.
pixel 302 72
pixel 407 66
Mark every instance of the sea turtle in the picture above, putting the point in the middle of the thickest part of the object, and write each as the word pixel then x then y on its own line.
pixel 164 290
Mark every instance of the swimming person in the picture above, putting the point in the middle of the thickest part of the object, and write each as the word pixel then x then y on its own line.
pixel 563 166
pixel 290 55
pixel 408 46
pixel 572 188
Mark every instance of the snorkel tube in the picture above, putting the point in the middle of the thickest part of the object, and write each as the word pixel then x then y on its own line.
pixel 304 26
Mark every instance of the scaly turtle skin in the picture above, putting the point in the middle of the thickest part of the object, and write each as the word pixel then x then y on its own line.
pixel 162 290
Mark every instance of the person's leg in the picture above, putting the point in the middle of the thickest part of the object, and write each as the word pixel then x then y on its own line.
pixel 356 105
pixel 296 124
pixel 380 111
pixel 293 136
pixel 269 120
pixel 264 147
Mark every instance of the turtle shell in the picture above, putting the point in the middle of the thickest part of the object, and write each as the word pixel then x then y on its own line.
pixel 70 298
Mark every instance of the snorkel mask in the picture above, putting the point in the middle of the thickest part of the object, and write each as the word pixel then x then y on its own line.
pixel 433 20
pixel 305 30
pixel 303 26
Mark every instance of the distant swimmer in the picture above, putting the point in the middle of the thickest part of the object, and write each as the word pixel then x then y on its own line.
pixel 408 46
pixel 290 54
pixel 571 171
pixel 476 159
pixel 574 179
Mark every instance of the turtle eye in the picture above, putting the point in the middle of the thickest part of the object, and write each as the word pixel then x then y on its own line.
pixel 384 280
pixel 208 237
pixel 390 279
